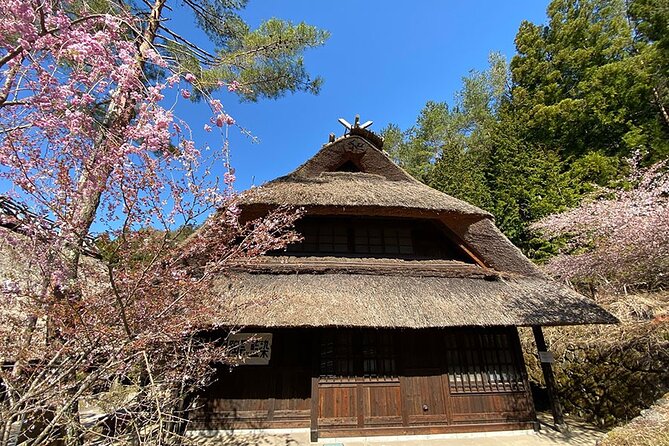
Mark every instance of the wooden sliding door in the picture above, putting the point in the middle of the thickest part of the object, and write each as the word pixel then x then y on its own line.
pixel 359 387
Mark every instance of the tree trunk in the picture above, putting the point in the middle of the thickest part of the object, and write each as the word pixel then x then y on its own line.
pixel 90 187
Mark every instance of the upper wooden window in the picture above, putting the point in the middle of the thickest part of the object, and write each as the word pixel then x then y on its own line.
pixel 375 237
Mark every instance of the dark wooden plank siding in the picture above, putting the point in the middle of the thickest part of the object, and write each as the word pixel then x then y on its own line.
pixel 378 382
pixel 484 408
pixel 275 395
pixel 338 405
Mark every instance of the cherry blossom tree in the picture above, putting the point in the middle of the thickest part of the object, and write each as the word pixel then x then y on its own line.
pixel 86 141
pixel 620 238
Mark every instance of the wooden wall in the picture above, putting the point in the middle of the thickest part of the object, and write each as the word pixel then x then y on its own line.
pixel 425 387
pixel 274 395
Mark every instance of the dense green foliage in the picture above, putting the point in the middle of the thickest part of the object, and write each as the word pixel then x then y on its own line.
pixel 531 138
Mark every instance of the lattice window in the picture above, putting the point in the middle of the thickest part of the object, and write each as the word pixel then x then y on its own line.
pixel 378 354
pixel 383 240
pixel 358 353
pixel 337 355
pixel 484 362
pixel 374 237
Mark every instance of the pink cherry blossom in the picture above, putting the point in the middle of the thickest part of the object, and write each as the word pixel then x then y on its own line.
pixel 224 119
pixel 233 86
pixel 216 105
pixel 88 142
pixel 618 238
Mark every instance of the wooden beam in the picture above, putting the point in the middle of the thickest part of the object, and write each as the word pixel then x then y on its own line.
pixel 455 238
pixel 547 369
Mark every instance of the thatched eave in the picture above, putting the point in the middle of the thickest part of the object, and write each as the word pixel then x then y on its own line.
pixel 367 266
pixel 353 190
pixel 394 301
pixel 378 183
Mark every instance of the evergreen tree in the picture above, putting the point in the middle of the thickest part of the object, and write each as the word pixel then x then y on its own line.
pixel 526 182
pixel 650 22
pixel 580 86
pixel 584 92
pixel 448 147
pixel 416 149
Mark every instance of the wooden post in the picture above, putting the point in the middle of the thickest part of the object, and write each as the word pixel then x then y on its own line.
pixel 315 373
pixel 556 407
pixel 314 409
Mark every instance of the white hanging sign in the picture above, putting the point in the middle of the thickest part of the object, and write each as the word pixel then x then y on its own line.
pixel 249 348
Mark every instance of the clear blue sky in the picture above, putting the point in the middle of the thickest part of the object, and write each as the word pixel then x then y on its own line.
pixel 384 60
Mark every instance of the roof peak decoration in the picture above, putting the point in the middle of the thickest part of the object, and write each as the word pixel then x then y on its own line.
pixel 360 130
pixel 356 123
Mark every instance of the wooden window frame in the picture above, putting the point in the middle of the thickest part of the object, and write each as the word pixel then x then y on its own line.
pixel 358 355
pixel 422 239
pixel 484 361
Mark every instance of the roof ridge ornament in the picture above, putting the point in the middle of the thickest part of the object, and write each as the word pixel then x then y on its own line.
pixel 356 125
pixel 357 129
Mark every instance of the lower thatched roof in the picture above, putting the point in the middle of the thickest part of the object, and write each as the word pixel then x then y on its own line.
pixel 367 300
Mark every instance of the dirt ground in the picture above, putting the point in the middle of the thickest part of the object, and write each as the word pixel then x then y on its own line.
pixel 578 434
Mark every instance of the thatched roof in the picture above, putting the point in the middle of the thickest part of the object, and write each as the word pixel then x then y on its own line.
pixel 353 176
pixel 363 299
pixel 379 183
pixel 489 243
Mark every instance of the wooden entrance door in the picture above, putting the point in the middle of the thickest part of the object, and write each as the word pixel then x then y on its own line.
pixel 381 404
pixel 356 406
pixel 424 380
pixel 424 398
pixel 359 387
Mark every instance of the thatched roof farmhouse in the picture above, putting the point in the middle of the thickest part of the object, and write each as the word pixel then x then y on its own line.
pixel 396 314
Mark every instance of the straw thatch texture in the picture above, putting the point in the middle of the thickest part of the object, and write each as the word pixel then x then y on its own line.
pixel 381 183
pixel 367 300
pixel 290 291
pixel 17 273
pixel 13 266
pixel 18 264
pixel 24 280
pixel 346 189
pixel 365 265
pixel 491 245
pixel 356 150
